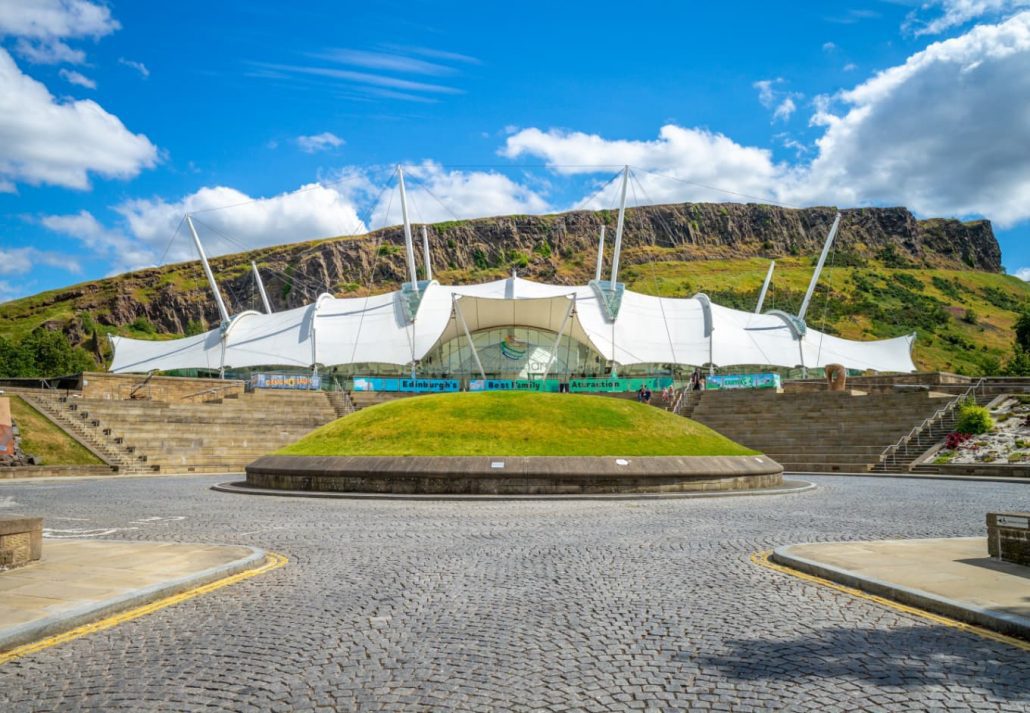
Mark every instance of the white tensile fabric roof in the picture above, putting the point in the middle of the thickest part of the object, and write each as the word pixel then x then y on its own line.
pixel 648 330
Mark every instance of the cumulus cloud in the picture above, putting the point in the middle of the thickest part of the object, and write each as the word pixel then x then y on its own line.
pixel 43 25
pixel 948 14
pixel 691 161
pixel 435 194
pixel 319 142
pixel 784 109
pixel 973 92
pixel 44 140
pixel 73 77
pixel 143 235
pixel 22 261
pixel 1023 273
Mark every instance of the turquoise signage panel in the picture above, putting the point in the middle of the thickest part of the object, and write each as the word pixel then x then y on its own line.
pixel 596 385
pixel 721 382
pixel 286 381
pixel 547 385
pixel 411 385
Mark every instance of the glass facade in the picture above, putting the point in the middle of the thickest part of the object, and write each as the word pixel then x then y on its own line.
pixel 513 353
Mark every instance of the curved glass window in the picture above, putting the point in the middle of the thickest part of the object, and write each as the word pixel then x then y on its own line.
pixel 513 353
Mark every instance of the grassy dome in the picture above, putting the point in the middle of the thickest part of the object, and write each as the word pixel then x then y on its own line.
pixel 502 423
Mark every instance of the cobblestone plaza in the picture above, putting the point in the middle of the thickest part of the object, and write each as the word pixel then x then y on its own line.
pixel 521 606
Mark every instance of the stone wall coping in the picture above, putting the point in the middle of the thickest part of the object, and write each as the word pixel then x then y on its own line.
pixel 15 525
pixel 569 467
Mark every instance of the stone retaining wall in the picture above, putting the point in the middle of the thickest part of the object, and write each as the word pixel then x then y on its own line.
pixel 21 541
pixel 513 475
pixel 99 385
pixel 1008 536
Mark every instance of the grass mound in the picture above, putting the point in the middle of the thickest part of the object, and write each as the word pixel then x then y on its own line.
pixel 41 438
pixel 513 424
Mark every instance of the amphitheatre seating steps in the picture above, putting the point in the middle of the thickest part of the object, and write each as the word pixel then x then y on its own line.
pixel 219 434
pixel 816 431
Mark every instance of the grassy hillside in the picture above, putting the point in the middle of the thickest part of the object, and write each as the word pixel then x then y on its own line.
pixel 513 424
pixel 41 438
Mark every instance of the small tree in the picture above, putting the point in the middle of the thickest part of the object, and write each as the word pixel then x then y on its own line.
pixel 1023 330
pixel 973 419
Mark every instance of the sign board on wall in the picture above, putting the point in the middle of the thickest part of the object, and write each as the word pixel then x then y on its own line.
pixel 601 385
pixel 721 382
pixel 548 385
pixel 409 385
pixel 306 382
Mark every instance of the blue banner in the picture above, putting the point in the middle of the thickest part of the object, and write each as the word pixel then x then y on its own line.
pixel 721 382
pixel 412 385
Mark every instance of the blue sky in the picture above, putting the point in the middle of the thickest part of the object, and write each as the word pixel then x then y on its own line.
pixel 115 118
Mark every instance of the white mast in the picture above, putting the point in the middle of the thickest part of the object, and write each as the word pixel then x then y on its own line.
pixel 425 253
pixel 408 247
pixel 600 255
pixel 207 271
pixel 765 287
pixel 618 228
pixel 261 288
pixel 819 267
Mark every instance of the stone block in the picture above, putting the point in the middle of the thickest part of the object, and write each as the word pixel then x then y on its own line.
pixel 21 541
pixel 1008 536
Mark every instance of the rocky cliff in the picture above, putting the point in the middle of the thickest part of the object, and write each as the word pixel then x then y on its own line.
pixel 557 248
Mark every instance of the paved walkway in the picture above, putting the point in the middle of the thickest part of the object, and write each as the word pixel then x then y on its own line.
pixel 519 606
pixel 79 581
pixel 949 576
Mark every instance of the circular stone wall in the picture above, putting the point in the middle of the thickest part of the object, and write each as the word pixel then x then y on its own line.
pixel 522 475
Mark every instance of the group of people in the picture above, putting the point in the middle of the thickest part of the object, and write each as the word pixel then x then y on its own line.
pixel 668 394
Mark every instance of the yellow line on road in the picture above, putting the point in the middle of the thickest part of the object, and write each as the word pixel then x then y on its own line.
pixel 762 559
pixel 272 561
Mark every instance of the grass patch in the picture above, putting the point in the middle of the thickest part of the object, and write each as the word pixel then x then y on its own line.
pixel 41 438
pixel 513 424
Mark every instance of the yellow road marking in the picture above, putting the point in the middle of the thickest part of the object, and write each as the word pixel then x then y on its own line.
pixel 272 561
pixel 762 559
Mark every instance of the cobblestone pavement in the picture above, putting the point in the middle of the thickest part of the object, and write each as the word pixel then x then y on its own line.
pixel 519 606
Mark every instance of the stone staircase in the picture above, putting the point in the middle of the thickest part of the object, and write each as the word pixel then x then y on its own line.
pixel 216 435
pixel 817 431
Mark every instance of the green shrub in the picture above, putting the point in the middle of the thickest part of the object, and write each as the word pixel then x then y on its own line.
pixel 973 419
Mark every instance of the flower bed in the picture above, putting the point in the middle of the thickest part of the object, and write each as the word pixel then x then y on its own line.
pixel 1007 442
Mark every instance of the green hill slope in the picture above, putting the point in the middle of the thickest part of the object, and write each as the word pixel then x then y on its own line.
pixel 513 424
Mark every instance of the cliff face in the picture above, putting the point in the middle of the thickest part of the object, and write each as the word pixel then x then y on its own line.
pixel 555 248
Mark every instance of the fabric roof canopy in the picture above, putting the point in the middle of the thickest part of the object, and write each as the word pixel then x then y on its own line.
pixel 648 330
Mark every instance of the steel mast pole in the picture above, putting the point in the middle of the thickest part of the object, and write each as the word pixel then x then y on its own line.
pixel 207 271
pixel 425 253
pixel 600 256
pixel 408 246
pixel 261 288
pixel 819 267
pixel 618 228
pixel 765 287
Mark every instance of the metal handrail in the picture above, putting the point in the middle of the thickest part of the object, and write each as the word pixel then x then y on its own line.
pixel 892 450
pixel 211 390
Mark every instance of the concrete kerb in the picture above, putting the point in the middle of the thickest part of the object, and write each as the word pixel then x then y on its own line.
pixel 788 487
pixel 21 634
pixel 1002 622
pixel 917 476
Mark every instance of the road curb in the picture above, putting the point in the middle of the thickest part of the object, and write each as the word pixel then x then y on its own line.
pixel 22 634
pixel 1001 622
pixel 240 488
pixel 919 476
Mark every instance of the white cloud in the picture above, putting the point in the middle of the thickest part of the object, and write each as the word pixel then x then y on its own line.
pixel 435 194
pixel 46 19
pixel 138 66
pixel 1023 273
pixel 945 133
pixel 954 13
pixel 21 261
pixel 689 159
pixel 319 142
pixel 766 95
pixel 50 52
pixel 73 77
pixel 42 25
pixel 850 67
pixel 829 47
pixel 43 140
pixel 784 109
